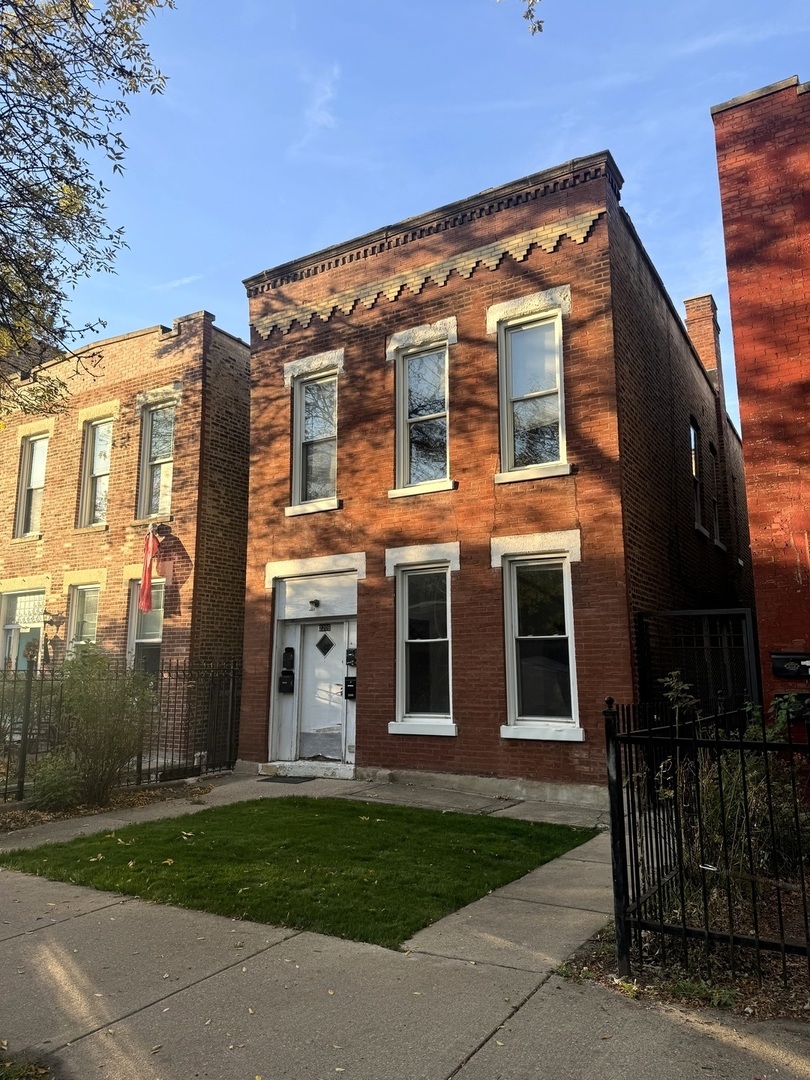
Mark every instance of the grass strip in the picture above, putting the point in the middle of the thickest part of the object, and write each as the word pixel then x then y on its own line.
pixel 365 872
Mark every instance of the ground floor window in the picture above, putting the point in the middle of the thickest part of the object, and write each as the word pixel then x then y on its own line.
pixel 23 617
pixel 541 682
pixel 83 616
pixel 146 629
pixel 425 642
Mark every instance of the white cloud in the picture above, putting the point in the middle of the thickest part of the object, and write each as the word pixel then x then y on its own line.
pixel 739 36
pixel 178 283
pixel 317 115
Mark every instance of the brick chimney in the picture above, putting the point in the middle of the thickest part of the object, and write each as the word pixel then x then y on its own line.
pixel 701 325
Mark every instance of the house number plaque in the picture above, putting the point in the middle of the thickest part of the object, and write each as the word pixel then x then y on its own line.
pixel 324 626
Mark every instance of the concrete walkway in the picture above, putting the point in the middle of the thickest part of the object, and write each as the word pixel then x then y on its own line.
pixel 104 986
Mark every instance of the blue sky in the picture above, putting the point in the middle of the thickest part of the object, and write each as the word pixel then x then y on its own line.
pixel 290 125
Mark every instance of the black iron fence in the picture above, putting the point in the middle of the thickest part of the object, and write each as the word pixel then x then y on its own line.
pixel 710 819
pixel 191 728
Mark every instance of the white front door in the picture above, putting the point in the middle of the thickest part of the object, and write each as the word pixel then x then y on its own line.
pixel 317 721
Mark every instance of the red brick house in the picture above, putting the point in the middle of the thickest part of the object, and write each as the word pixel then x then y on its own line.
pixel 763 157
pixel 482 445
pixel 154 436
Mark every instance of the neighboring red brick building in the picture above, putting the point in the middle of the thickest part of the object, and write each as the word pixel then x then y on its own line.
pixel 763 155
pixel 482 445
pixel 155 434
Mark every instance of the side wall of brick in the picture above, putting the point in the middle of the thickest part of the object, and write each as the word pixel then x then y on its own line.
pixel 763 155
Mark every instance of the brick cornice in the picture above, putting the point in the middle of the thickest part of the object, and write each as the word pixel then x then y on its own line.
pixel 528 189
pixel 463 263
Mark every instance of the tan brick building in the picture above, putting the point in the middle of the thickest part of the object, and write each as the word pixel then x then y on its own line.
pixel 482 446
pixel 155 434
pixel 763 157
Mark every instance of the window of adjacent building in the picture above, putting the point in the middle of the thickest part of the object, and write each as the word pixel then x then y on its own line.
pixel 146 629
pixel 696 462
pixel 315 463
pixel 424 643
pixel 532 421
pixel 97 446
pixel 715 482
pixel 83 616
pixel 422 417
pixel 34 453
pixel 23 616
pixel 157 461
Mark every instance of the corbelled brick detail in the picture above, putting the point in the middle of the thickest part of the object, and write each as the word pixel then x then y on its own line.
pixel 546 237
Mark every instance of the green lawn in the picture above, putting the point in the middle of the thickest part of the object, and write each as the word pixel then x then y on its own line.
pixel 355 870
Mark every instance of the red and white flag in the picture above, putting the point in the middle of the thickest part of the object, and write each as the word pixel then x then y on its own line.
pixel 151 544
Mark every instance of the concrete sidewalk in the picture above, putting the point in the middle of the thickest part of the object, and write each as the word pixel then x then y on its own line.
pixel 105 986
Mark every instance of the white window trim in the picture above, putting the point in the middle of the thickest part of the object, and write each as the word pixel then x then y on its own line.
pixel 85 500
pixel 506 552
pixel 401 347
pixel 551 304
pixel 147 409
pixel 23 486
pixel 310 369
pixel 421 557
pixel 317 364
pixel 350 561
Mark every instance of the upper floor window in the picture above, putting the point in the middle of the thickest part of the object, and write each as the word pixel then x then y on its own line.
pixel 422 442
pixel 696 463
pixel 715 501
pixel 530 364
pixel 32 485
pixel 314 383
pixel 157 461
pixel 96 478
pixel 423 418
pixel 317 444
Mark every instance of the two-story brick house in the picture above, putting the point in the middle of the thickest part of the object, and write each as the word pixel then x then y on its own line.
pixel 154 436
pixel 482 444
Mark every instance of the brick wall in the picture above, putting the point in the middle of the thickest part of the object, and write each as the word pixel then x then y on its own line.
pixel 763 154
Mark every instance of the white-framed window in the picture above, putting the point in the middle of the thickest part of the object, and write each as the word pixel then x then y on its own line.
pixel 33 455
pixel 96 474
pixel 314 384
pixel 82 616
pixel 530 366
pixel 715 493
pixel 423 630
pixel 541 684
pixel 146 629
pixel 421 357
pixel 696 465
pixel 157 459
pixel 23 616
pixel 316 412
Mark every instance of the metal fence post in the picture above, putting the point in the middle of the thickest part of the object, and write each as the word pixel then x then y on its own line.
pixel 26 724
pixel 618 847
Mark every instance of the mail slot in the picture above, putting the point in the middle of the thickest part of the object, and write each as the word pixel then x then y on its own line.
pixel 351 688
pixel 791 665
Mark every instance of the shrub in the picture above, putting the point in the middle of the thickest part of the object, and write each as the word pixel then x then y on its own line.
pixel 106 713
pixel 58 785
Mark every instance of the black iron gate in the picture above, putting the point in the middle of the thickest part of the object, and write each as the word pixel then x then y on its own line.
pixel 713 650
